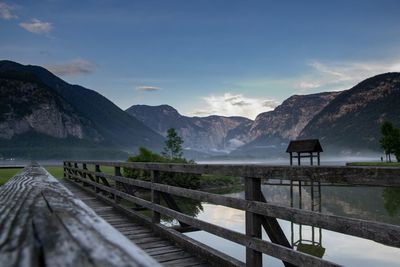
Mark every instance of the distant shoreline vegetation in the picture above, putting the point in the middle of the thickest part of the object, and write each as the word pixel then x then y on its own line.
pixel 377 164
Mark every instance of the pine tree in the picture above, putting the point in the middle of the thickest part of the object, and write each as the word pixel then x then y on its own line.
pixel 173 145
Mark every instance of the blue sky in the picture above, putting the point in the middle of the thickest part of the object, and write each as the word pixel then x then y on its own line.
pixel 204 57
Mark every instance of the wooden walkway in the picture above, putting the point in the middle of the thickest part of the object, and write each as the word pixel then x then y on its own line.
pixel 162 250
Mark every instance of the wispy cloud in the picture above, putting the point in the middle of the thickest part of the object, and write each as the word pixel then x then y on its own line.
pixel 146 88
pixel 6 11
pixel 36 26
pixel 230 104
pixel 74 67
pixel 342 75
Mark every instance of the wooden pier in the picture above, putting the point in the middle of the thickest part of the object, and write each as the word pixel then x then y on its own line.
pixel 111 198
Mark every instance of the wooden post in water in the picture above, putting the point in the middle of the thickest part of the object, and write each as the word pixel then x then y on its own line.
pixel 253 221
pixel 155 195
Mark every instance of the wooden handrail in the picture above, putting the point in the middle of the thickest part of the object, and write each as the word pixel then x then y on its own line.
pixel 370 176
pixel 43 224
pixel 387 234
pixel 283 253
pixel 384 233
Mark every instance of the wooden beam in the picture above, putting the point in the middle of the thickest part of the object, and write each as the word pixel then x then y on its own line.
pixel 387 234
pixel 155 195
pixel 44 224
pixel 378 176
pixel 257 244
pixel 253 221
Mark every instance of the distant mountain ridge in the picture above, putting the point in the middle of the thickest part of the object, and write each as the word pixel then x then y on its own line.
pixel 351 122
pixel 271 131
pixel 205 134
pixel 239 136
pixel 41 114
pixel 94 117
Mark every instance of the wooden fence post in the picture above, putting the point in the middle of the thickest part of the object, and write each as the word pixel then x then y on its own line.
pixel 97 178
pixel 253 221
pixel 155 195
pixel 64 170
pixel 118 185
pixel 84 168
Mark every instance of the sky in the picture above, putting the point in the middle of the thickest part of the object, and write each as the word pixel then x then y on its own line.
pixel 230 58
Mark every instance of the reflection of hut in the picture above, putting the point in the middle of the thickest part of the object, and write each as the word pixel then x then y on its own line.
pixel 307 149
pixel 310 148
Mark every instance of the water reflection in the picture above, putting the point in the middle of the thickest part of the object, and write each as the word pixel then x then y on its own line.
pixel 366 203
pixel 392 200
pixel 310 243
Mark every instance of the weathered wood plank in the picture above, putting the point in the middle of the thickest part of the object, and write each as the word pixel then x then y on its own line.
pixel 212 255
pixel 253 222
pixel 173 256
pixel 379 176
pixel 43 224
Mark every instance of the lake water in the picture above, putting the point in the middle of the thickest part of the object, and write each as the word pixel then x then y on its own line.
pixel 369 203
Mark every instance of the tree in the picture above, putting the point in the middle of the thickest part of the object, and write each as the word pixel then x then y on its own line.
pixel 185 180
pixel 173 145
pixel 390 140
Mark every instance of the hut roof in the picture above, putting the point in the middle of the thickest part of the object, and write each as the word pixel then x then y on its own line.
pixel 309 145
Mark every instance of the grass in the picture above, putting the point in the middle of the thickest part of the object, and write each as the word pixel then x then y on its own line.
pixel 6 174
pixel 379 164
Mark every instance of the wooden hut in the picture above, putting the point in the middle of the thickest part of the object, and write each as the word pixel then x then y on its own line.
pixel 310 148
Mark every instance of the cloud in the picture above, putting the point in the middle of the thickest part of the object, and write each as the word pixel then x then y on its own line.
pixel 343 75
pixel 37 26
pixel 145 88
pixel 74 67
pixel 230 104
pixel 6 11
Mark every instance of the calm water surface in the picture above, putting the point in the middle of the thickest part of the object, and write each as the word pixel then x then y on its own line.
pixel 358 202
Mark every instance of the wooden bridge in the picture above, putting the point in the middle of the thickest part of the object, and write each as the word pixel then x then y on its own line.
pixel 102 223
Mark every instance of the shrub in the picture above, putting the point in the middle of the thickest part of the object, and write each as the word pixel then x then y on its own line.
pixel 176 179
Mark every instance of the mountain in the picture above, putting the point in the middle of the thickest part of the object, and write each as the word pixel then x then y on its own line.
pixel 38 102
pixel 204 134
pixel 351 122
pixel 271 131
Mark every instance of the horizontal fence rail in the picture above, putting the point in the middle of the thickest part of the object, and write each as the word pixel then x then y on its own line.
pixel 370 176
pixel 253 204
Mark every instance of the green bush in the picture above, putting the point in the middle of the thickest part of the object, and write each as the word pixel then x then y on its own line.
pixel 176 179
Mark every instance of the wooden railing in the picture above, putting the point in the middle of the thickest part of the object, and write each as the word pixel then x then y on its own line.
pixel 258 213
pixel 43 224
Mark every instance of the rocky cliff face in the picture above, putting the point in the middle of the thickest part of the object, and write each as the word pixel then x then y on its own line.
pixel 351 122
pixel 271 131
pixel 206 134
pixel 30 106
pixel 289 118
pixel 72 111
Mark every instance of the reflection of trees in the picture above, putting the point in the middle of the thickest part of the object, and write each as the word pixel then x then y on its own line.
pixel 391 197
pixel 186 205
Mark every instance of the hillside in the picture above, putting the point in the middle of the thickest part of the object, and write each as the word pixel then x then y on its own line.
pixel 351 122
pixel 271 131
pixel 40 102
pixel 205 134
